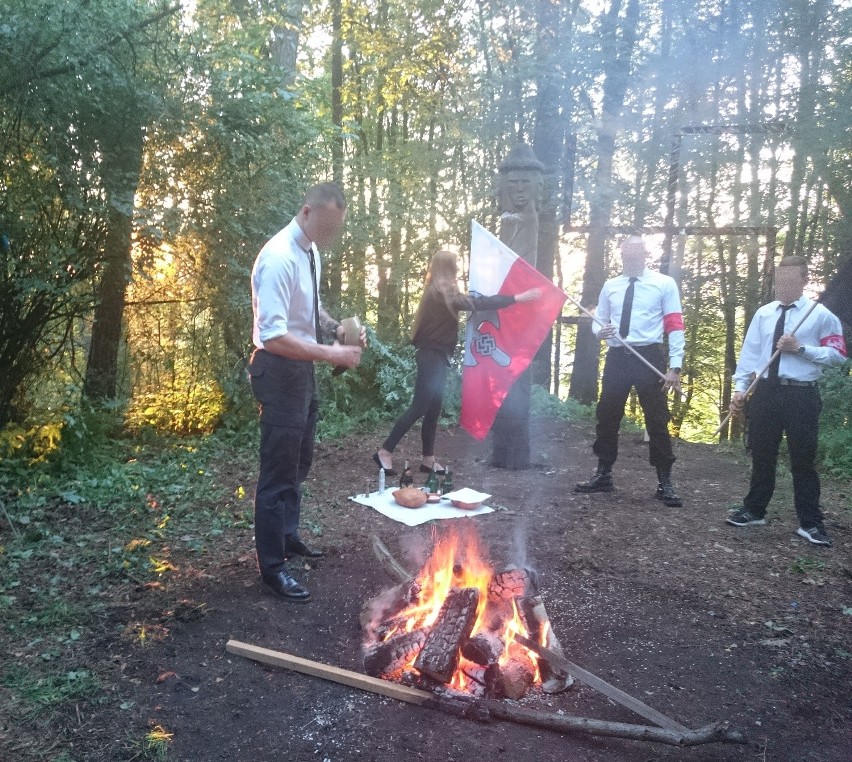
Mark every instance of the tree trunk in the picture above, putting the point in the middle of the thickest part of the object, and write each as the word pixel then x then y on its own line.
pixel 285 38
pixel 584 379
pixel 548 137
pixel 122 150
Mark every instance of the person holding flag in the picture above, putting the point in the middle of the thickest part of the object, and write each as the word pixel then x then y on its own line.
pixel 644 305
pixel 786 398
pixel 436 329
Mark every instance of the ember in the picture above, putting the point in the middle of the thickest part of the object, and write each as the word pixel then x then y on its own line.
pixel 455 624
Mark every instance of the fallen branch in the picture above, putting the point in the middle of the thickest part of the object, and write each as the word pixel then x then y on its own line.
pixel 487 710
pixel 717 732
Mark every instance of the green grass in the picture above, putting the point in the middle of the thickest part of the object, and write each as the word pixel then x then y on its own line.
pixel 39 691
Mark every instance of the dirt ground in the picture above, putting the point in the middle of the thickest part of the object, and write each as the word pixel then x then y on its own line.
pixel 700 620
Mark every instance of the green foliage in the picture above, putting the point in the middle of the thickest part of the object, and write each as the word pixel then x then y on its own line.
pixel 835 440
pixel 378 389
pixel 544 405
pixel 803 565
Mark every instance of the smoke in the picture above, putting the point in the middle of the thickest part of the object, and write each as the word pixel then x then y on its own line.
pixel 520 534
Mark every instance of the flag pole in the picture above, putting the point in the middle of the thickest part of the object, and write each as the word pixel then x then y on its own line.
pixel 772 359
pixel 615 336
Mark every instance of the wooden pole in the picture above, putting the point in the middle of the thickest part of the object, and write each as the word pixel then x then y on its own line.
pixel 766 367
pixel 615 336
pixel 610 691
pixel 487 709
pixel 327 672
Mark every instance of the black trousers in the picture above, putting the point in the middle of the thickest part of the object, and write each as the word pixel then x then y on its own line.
pixel 432 368
pixel 286 391
pixel 773 411
pixel 622 372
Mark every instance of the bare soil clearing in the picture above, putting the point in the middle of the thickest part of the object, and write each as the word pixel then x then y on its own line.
pixel 698 619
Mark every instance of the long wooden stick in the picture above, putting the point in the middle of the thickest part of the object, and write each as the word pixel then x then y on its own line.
pixel 610 691
pixel 715 732
pixel 766 367
pixel 327 672
pixel 486 709
pixel 615 336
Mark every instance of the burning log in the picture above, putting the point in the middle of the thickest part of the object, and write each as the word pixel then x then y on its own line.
pixel 439 657
pixel 509 584
pixel 386 607
pixel 553 679
pixel 386 658
pixel 515 676
pixel 484 648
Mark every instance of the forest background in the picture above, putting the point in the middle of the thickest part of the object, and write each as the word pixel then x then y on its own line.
pixel 151 147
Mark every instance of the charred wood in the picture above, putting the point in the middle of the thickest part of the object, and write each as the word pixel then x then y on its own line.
pixel 386 658
pixel 439 656
pixel 511 583
pixel 484 648
pixel 553 679
pixel 515 676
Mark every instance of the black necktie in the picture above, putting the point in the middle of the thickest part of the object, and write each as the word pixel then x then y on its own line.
pixel 779 332
pixel 316 295
pixel 626 308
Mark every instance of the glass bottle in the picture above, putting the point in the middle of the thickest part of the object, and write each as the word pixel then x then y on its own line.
pixel 447 484
pixel 407 477
pixel 431 485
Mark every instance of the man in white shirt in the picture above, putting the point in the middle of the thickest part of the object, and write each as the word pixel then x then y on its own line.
pixel 786 398
pixel 641 306
pixel 288 323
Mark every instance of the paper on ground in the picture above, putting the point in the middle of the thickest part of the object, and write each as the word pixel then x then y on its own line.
pixel 387 506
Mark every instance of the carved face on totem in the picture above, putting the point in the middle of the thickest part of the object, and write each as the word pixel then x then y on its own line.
pixel 520 190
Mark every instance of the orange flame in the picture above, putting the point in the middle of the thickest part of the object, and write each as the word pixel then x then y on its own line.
pixel 458 561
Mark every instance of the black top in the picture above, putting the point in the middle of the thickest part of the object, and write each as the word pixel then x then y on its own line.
pixel 437 324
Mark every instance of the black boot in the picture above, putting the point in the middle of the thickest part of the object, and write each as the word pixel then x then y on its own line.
pixel 665 491
pixel 600 482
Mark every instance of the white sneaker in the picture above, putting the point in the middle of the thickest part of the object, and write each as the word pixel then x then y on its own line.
pixel 816 535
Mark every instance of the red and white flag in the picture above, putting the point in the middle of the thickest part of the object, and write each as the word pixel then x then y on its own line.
pixel 500 344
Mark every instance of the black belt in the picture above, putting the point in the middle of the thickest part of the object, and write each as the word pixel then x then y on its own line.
pixel 640 348
pixel 789 382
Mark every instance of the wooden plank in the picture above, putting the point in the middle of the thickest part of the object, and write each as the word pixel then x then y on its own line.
pixel 328 672
pixel 610 691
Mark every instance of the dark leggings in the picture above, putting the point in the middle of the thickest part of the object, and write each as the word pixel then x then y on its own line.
pixel 432 368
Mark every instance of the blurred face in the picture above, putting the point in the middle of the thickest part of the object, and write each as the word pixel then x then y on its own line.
pixel 633 256
pixel 322 224
pixel 789 284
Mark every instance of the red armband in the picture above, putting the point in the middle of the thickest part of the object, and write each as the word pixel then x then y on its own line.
pixel 834 341
pixel 673 322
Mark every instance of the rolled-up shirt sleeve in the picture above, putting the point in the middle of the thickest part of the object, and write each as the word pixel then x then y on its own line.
pixel 602 311
pixel 273 284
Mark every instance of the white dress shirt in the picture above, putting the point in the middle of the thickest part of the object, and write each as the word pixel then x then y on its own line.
pixel 282 291
pixel 821 335
pixel 656 310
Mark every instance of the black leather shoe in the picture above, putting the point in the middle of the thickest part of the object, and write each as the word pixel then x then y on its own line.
pixel 600 482
pixel 282 585
pixel 294 546
pixel 667 494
